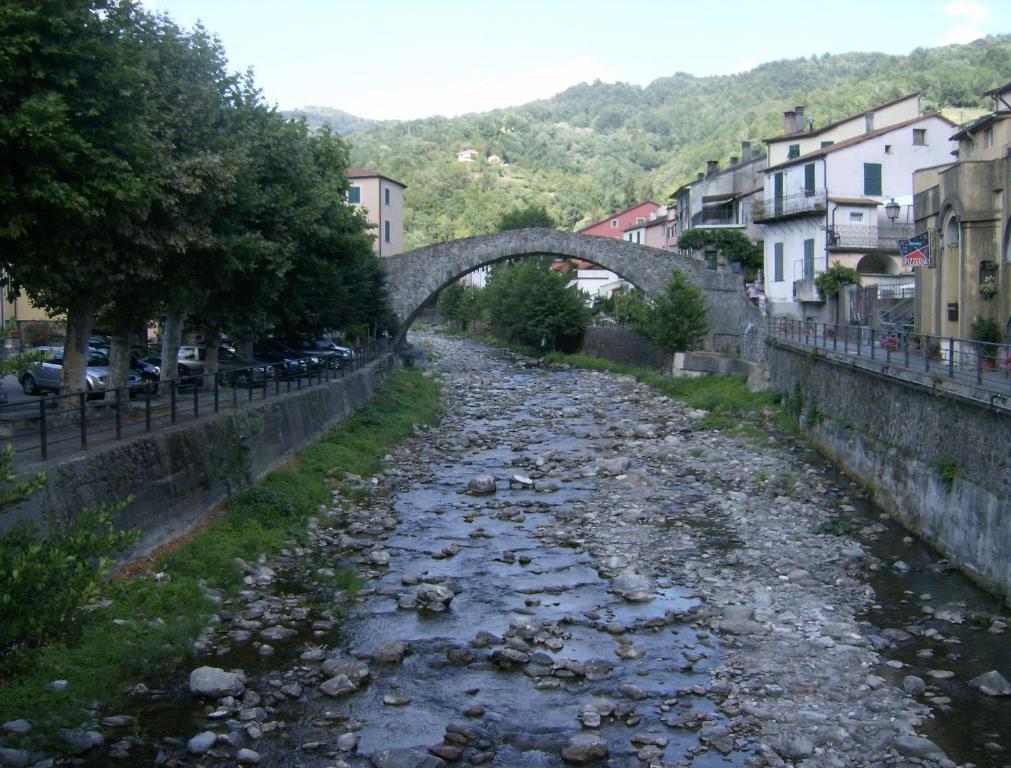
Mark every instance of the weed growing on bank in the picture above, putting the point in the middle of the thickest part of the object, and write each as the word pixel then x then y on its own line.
pixel 144 627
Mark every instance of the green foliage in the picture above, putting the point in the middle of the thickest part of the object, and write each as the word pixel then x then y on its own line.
pixel 530 216
pixel 833 279
pixel 602 146
pixel 947 471
pixel 987 330
pixel 678 318
pixel 835 527
pixel 46 578
pixel 734 245
pixel 460 304
pixel 528 304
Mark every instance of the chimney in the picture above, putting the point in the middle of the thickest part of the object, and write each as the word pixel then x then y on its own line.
pixel 868 122
pixel 699 176
pixel 745 151
pixel 789 122
pixel 733 159
pixel 712 166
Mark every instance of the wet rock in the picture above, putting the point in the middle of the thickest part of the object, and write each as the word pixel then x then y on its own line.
pixel 347 742
pixel 247 757
pixel 793 747
pixel 201 742
pixel 338 685
pixel 614 466
pixel 584 748
pixel 14 758
pixel 481 485
pixel 16 727
pixel 390 653
pixel 448 752
pixel 396 700
pixel 634 587
pixel 434 597
pixel 214 682
pixel 992 683
pixel 379 557
pixel 916 746
pixel 356 670
pixel 77 741
pixel 406 758
pixel 277 633
pixel 913 685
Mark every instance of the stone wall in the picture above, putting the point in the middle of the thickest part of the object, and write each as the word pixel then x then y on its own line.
pixel 625 346
pixel 177 475
pixel 896 435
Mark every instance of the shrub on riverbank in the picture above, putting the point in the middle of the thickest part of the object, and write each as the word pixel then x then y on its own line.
pixel 145 626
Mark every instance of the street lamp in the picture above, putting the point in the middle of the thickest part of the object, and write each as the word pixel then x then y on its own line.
pixel 892 210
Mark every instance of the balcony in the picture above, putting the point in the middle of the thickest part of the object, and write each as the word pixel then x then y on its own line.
pixel 715 218
pixel 786 207
pixel 848 236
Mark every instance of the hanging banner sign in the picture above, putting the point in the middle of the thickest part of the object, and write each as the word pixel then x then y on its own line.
pixel 916 251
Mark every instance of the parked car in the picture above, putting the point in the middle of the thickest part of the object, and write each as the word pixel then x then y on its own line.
pixel 47 374
pixel 327 353
pixel 287 363
pixel 234 370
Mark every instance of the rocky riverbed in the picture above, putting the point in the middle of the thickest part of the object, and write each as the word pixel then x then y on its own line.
pixel 568 570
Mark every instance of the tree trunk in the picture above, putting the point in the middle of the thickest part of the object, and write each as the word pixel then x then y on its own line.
pixel 119 360
pixel 75 348
pixel 212 343
pixel 244 347
pixel 171 337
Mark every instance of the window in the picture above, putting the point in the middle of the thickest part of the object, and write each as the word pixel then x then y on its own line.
pixel 640 220
pixel 386 231
pixel 920 137
pixel 777 264
pixel 989 136
pixel 827 144
pixel 888 149
pixel 793 151
pixel 808 259
pixel 711 258
pixel 809 178
pixel 872 178
pixel 614 223
pixel 856 217
pixel 355 195
pixel 386 196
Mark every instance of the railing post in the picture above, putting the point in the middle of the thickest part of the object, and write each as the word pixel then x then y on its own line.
pixel 951 357
pixel 83 410
pixel 172 401
pixel 147 411
pixel 872 344
pixel 263 384
pixel 196 401
pixel 905 350
pixel 217 389
pixel 43 443
pixel 277 383
pixel 858 341
pixel 119 421
pixel 979 366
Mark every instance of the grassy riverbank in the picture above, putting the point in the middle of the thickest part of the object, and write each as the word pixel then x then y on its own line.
pixel 144 626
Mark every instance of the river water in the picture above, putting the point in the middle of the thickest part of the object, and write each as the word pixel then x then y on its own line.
pixel 634 585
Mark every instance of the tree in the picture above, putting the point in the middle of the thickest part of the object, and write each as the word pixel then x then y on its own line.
pixel 831 282
pixel 734 245
pixel 529 304
pixel 530 216
pixel 77 152
pixel 678 319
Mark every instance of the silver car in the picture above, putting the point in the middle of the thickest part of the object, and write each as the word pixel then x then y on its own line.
pixel 47 374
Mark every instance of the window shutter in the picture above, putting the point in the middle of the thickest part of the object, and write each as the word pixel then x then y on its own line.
pixel 809 177
pixel 872 178
pixel 778 265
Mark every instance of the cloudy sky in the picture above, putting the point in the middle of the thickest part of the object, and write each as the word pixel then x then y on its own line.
pixel 406 58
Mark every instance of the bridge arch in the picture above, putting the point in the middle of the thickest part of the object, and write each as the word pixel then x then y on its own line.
pixel 415 277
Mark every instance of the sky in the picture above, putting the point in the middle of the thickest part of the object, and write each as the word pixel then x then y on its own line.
pixel 405 59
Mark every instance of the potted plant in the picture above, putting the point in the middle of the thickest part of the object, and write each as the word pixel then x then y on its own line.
pixel 986 331
pixel 890 341
pixel 988 287
pixel 933 350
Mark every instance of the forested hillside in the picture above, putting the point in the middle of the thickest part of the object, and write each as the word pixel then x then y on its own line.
pixel 600 146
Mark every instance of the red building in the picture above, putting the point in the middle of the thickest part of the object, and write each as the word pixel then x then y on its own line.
pixel 616 224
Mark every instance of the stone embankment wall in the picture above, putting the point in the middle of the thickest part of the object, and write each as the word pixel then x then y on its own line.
pixel 625 346
pixel 177 475
pixel 935 460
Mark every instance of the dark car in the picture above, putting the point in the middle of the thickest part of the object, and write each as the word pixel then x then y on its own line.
pixel 286 361
pixel 233 371
pixel 324 350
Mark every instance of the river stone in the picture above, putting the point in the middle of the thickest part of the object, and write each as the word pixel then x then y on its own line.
pixel 992 683
pixel 406 758
pixel 793 747
pixel 14 758
pixel 201 742
pixel 429 595
pixel 911 745
pixel 213 682
pixel 17 727
pixel 390 653
pixel 77 741
pixel 584 748
pixel 614 466
pixel 481 485
pixel 634 587
pixel 338 685
pixel 347 742
pixel 355 670
pixel 913 685
pixel 247 757
pixel 277 632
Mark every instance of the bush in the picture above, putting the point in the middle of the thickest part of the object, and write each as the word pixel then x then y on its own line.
pixel 46 579
pixel 678 320
pixel 987 330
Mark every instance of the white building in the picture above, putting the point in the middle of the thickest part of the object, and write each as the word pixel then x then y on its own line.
pixel 825 195
pixel 597 283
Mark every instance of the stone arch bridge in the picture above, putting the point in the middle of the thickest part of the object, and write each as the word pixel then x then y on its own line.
pixel 415 277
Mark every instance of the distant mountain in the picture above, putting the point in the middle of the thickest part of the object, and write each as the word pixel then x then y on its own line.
pixel 596 147
pixel 342 123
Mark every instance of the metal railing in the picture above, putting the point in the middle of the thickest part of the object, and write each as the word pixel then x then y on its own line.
pixel 805 202
pixel 57 426
pixel 968 361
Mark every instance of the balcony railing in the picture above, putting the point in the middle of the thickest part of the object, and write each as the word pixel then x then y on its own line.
pixel 864 236
pixel 714 218
pixel 810 201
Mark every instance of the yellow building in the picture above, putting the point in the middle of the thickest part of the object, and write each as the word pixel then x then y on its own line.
pixel 965 208
pixel 382 199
